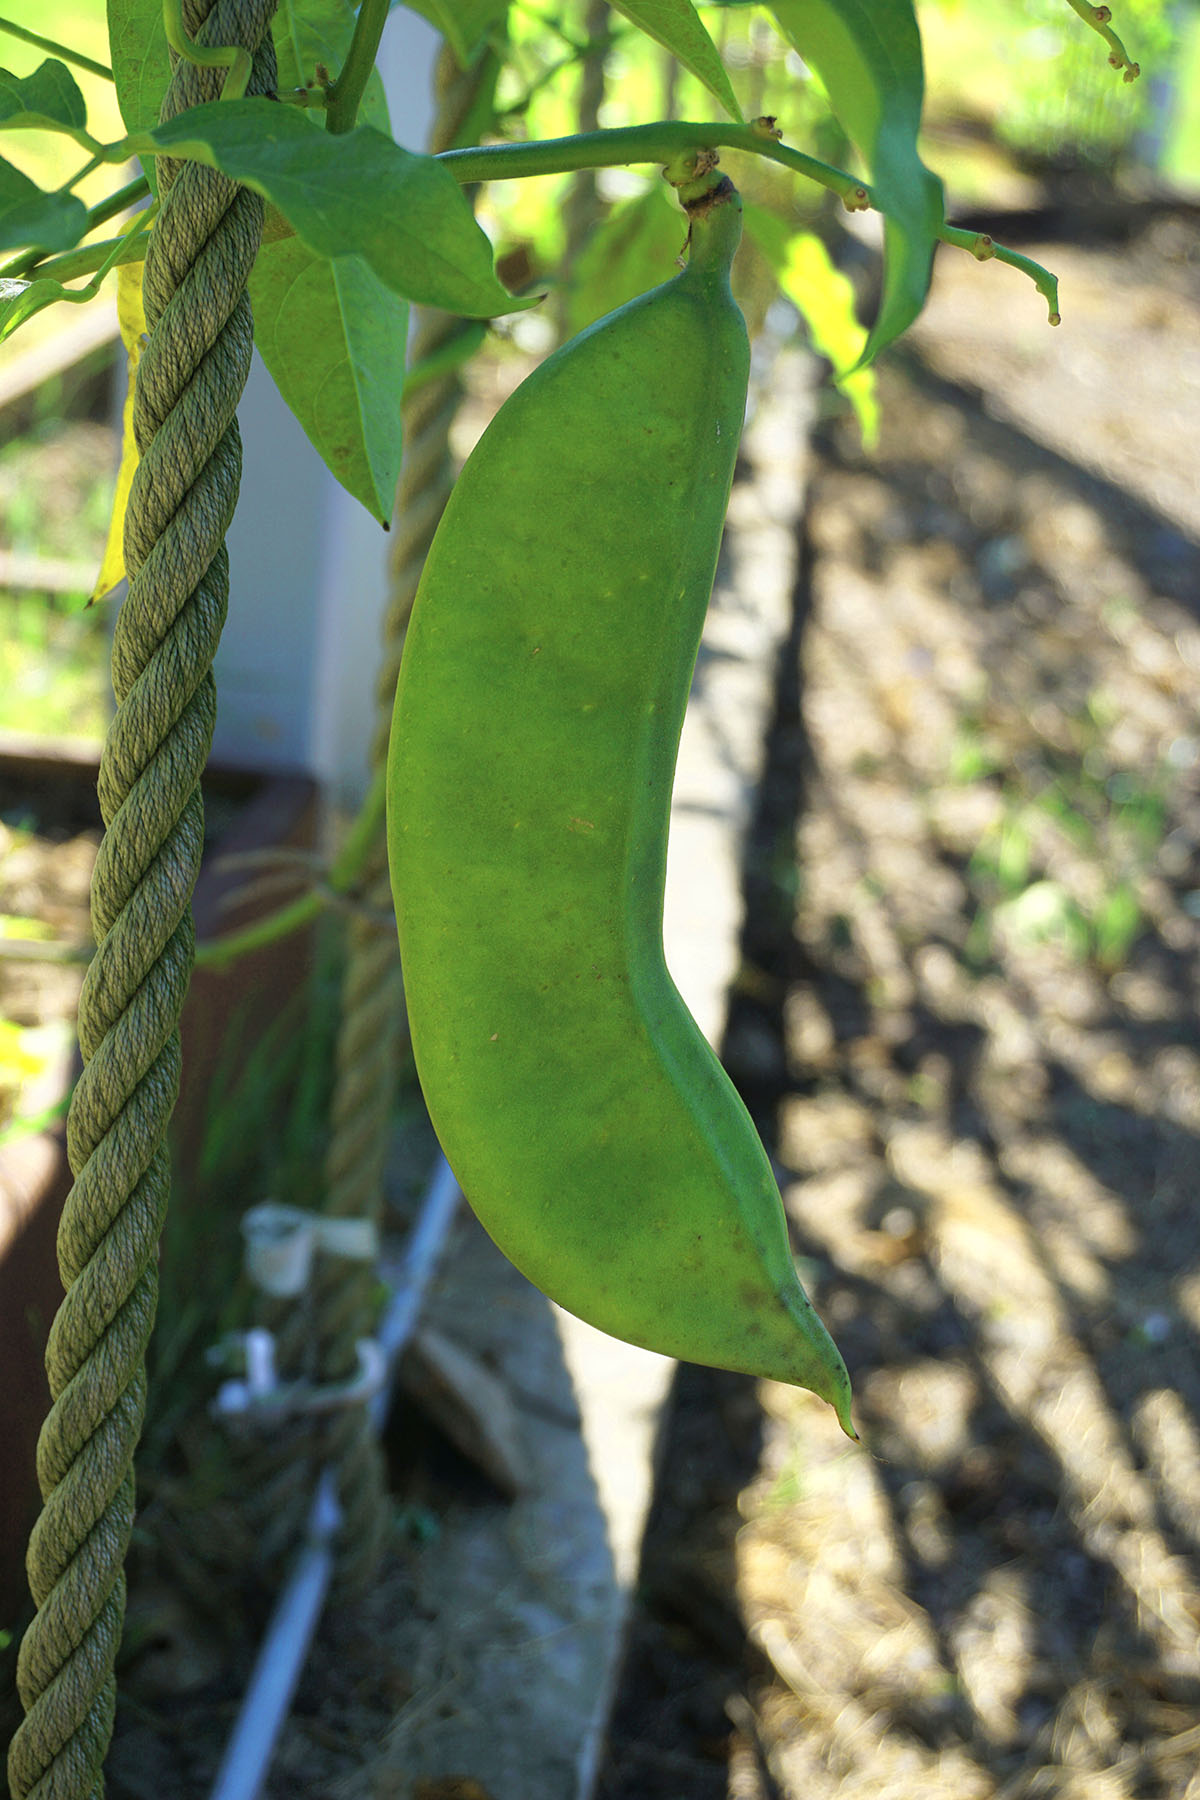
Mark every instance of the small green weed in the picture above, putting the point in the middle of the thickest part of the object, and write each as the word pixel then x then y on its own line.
pixel 1027 890
pixel 973 757
pixel 1115 925
pixel 788 1487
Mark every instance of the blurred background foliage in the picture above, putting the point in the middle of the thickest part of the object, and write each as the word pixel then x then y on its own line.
pixel 1018 91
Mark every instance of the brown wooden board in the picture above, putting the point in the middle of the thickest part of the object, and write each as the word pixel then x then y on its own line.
pixel 226 1015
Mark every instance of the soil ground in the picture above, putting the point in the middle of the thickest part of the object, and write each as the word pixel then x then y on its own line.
pixel 966 1022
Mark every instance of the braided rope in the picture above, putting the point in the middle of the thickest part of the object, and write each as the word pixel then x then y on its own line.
pixel 583 208
pixel 189 382
pixel 372 1016
pixel 316 1334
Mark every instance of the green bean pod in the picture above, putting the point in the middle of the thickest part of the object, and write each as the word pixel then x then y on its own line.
pixel 537 721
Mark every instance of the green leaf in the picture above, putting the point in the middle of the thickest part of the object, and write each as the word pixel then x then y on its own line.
pixel 305 31
pixel 19 300
pixel 463 23
pixel 676 25
pixel 47 100
pixel 357 194
pixel 141 63
pixel 304 34
pixel 141 66
pixel 31 218
pixel 635 248
pixel 824 298
pixel 868 56
pixel 333 338
pixel 308 32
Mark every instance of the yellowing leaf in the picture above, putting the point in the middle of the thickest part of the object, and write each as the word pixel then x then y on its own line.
pixel 15 925
pixel 868 56
pixel 132 322
pixel 825 299
pixel 17 1063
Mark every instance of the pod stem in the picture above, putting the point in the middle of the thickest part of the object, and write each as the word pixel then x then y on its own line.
pixel 694 174
pixel 714 227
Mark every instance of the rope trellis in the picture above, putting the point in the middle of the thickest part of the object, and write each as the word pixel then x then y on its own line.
pixel 189 383
pixel 344 1301
pixel 582 207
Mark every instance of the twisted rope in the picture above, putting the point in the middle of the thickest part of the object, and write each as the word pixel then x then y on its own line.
pixel 583 209
pixel 316 1333
pixel 372 1014
pixel 189 382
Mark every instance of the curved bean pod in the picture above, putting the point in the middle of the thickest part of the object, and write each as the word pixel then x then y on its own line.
pixel 537 722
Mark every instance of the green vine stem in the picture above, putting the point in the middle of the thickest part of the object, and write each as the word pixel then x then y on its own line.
pixel 669 142
pixel 1098 18
pixel 60 50
pixel 985 249
pixel 118 202
pixel 686 150
pixel 89 259
pixel 72 182
pixel 342 876
pixel 131 246
pixel 207 56
pixel 343 97
pixel 100 214
pixel 663 141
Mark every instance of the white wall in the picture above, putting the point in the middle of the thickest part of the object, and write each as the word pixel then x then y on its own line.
pixel 295 670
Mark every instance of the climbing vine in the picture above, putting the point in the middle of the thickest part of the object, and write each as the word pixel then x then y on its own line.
pixel 270 175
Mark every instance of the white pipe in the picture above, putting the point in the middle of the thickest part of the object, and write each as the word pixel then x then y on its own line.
pixel 284 1649
pixel 412 1276
pixel 282 1655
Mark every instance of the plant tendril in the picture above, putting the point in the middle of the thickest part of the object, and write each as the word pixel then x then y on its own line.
pixel 1098 17
pixel 233 57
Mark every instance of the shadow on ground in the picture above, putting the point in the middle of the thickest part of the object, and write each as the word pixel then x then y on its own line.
pixel 967 1023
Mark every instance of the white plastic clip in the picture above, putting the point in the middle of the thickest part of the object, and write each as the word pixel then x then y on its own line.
pixel 281 1241
pixel 261 1381
pixel 262 1396
pixel 334 1396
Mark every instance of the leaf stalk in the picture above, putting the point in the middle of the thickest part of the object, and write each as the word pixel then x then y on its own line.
pixel 345 94
pixel 62 51
pixel 668 142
